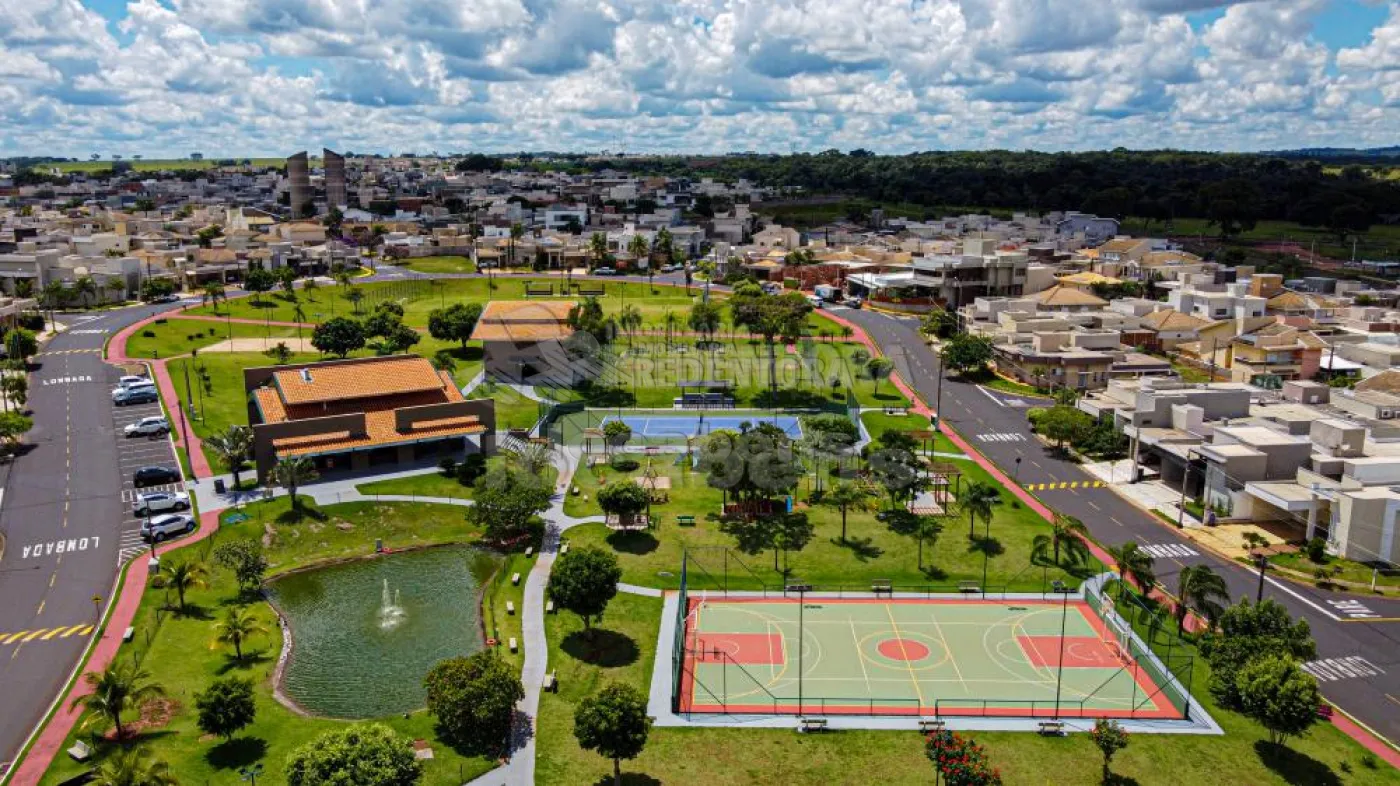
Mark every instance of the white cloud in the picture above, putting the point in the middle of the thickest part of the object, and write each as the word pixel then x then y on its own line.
pixel 1382 53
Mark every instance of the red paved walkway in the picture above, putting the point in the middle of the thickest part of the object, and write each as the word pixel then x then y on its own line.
pixel 49 743
pixel 116 353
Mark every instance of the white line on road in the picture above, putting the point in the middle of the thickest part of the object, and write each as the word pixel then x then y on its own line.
pixel 1279 585
pixel 989 395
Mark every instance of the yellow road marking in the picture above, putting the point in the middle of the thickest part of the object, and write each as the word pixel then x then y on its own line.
pixel 13 637
pixel 33 636
pixel 1372 619
pixel 50 634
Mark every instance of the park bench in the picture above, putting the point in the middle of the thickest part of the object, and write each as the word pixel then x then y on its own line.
pixel 510 607
pixel 539 290
pixel 549 607
pixel 515 579
pixel 928 726
pixel 813 724
pixel 685 521
pixel 529 551
pixel 550 683
pixel 1052 728
pixel 514 647
pixel 882 587
pixel 969 587
pixel 129 634
pixel 1058 586
pixel 80 751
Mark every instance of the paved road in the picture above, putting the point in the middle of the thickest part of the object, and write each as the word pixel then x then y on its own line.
pixel 63 520
pixel 995 423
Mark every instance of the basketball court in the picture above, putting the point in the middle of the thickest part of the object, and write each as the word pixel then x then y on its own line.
pixel 1036 658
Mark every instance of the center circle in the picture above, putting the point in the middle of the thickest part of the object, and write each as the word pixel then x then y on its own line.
pixel 902 649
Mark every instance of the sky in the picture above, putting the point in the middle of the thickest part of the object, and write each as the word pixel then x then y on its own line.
pixel 164 78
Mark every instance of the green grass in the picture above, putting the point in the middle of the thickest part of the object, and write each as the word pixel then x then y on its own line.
pixel 437 264
pixel 428 484
pixel 501 625
pixel 181 660
pixel 513 409
pixel 1352 571
pixel 878 423
pixel 653 558
pixel 178 336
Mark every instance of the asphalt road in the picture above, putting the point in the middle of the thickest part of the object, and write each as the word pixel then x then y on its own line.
pixel 995 424
pixel 63 520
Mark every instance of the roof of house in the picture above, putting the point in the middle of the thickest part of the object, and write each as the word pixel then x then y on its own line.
pixel 380 422
pixel 1061 295
pixel 1387 381
pixel 528 320
pixel 356 381
pixel 1120 245
pixel 1171 319
pixel 1089 279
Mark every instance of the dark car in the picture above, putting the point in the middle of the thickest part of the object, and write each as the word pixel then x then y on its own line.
pixel 154 476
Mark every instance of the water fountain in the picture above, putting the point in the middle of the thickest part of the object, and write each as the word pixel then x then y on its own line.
pixel 391 614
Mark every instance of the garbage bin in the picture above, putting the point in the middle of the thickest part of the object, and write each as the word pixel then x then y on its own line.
pixel 219 485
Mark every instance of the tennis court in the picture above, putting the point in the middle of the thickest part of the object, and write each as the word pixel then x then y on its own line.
pixel 918 656
pixel 681 426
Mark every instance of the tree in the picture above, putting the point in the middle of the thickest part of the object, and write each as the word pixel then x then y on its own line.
pixel 966 353
pixel 20 344
pixel 474 700
pixel 156 288
pixel 583 581
pixel 291 473
pixel 790 532
pixel 245 558
pixel 614 723
pixel 1247 631
pixel 1277 693
pixel 630 320
pixel 355 296
pixel 181 576
pixel 1232 205
pixel 363 755
pixel 978 498
pixel 940 322
pixel 623 499
pixel 238 625
pixel 878 369
pixel 926 530
pixel 225 707
pixel 505 502
pixel 616 433
pixel 532 457
pixel 114 690
pixel 705 318
pixel 15 388
pixel 1135 563
pixel 84 287
pixel 231 447
pixel 1200 588
pixel 847 496
pixel 598 248
pixel 1067 534
pixel 280 353
pixel 959 760
pixel 338 336
pixel 1063 424
pixel 212 294
pixel 133 767
pixel 12 426
pixel 454 323
pixel 258 281
pixel 1109 738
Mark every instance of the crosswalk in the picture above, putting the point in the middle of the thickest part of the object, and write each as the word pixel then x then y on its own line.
pixel 44 634
pixel 88 332
pixel 1002 437
pixel 1169 550
pixel 1066 485
pixel 1333 669
pixel 130 545
pixel 70 352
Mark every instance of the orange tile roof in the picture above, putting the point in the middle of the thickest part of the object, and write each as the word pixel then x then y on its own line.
pixel 357 380
pixel 527 320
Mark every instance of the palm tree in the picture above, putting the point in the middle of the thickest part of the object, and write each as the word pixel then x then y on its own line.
pixel 116 689
pixel 231 447
pixel 237 626
pixel 598 247
pixel 53 295
pixel 291 473
pixel 630 320
pixel 1134 562
pixel 182 576
pixel 926 528
pixel 1067 533
pixel 212 293
pixel 116 289
pixel 517 231
pixel 24 287
pixel 848 496
pixel 1202 589
pixel 84 288
pixel 133 767
pixel 355 296
pixel 977 499
pixel 298 316
pixel 533 457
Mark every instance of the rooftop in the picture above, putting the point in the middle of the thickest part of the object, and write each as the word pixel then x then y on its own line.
pixel 524 320
pixel 358 380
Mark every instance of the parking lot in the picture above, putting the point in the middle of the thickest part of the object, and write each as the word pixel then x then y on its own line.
pixel 132 454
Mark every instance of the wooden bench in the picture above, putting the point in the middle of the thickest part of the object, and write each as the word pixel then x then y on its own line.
pixel 882 587
pixel 514 647
pixel 969 587
pixel 549 607
pixel 685 521
pixel 80 751
pixel 813 724
pixel 129 634
pixel 515 579
pixel 1052 728
pixel 550 684
pixel 927 726
pixel 510 607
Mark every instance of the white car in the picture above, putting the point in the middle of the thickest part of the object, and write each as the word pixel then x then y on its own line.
pixel 129 381
pixel 154 426
pixel 162 527
pixel 159 502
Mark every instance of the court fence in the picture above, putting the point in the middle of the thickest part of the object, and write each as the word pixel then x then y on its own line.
pixel 1143 636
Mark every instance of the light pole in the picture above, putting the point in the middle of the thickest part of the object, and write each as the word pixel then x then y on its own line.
pixel 1185 481
pixel 1016 473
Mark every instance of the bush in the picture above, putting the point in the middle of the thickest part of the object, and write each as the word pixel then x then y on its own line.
pixel 161 321
pixel 448 466
pixel 148 334
pixel 471 468
pixel 31 321
pixel 624 464
pixel 1317 550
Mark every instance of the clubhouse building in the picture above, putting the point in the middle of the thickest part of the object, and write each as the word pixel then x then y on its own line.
pixel 523 340
pixel 361 413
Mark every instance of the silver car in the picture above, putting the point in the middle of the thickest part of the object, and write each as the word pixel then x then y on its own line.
pixel 160 502
pixel 162 527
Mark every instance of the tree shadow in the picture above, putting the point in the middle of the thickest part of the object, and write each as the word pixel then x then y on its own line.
pixel 863 549
pixel 251 659
pixel 1295 767
pixel 985 545
pixel 1114 779
pixel 633 542
pixel 237 752
pixel 934 573
pixel 299 514
pixel 629 779
pixel 191 611
pixel 790 398
pixel 600 647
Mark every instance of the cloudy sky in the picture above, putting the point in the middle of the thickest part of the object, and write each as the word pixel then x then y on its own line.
pixel 269 77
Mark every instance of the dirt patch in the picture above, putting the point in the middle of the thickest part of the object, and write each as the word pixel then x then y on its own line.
pixel 260 345
pixel 155 713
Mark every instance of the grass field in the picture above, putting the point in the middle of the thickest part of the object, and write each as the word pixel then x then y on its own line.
pixel 182 661
pixel 177 336
pixel 878 423
pixel 437 264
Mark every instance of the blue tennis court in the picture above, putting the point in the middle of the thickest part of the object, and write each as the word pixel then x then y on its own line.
pixel 680 426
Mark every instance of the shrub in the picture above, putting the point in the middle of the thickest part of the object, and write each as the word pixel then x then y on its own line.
pixel 31 321
pixel 148 334
pixel 162 321
pixel 448 466
pixel 1317 550
pixel 471 468
pixel 624 464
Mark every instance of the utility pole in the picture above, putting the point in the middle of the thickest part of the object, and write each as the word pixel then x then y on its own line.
pixel 1185 481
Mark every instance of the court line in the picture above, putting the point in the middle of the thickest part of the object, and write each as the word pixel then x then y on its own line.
pixel 946 646
pixel 917 690
pixel 860 655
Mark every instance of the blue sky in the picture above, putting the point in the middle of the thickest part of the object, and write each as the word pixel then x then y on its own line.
pixel 267 77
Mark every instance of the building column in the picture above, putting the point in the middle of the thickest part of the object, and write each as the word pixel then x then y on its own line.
pixel 1312 515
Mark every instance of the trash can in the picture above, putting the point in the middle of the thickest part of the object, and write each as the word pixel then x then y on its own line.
pixel 219 486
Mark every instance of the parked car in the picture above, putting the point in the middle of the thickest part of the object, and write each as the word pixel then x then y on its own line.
pixel 816 301
pixel 171 298
pixel 153 426
pixel 154 476
pixel 161 527
pixel 604 271
pixel 143 394
pixel 159 502
pixel 854 302
pixel 668 268
pixel 131 381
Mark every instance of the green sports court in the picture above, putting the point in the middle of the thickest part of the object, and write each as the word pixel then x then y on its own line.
pixel 950 656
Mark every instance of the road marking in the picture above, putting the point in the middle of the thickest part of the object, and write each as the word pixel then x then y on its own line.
pixel 1354 609
pixel 69 352
pixel 67 380
pixel 1066 486
pixel 1169 550
pixel 1278 585
pixel 989 395
pixel 44 634
pixel 88 332
pixel 1333 669
pixel 59 546
pixel 1002 437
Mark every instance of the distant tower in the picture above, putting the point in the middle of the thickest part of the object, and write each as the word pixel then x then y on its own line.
pixel 335 179
pixel 300 178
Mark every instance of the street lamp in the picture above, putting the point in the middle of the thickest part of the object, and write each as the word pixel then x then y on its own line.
pixel 1016 473
pixel 250 774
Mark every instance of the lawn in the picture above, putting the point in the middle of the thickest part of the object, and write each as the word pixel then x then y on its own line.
pixel 181 660
pixel 177 336
pixel 878 423
pixel 1350 570
pixel 436 264
pixel 624 651
pixel 428 484
pixel 653 558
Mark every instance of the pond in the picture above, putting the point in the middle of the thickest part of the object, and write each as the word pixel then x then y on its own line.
pixel 365 633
